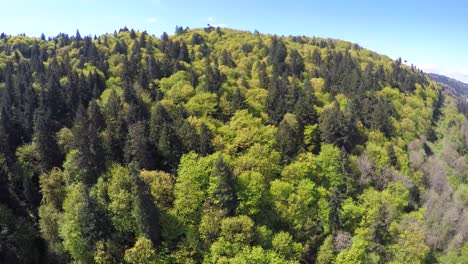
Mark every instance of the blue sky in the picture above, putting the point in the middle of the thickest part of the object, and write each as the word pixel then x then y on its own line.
pixel 431 34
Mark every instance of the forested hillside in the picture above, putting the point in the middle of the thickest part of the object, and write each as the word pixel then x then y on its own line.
pixel 221 146
pixel 457 86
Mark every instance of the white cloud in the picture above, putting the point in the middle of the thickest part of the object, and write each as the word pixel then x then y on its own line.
pixel 211 19
pixel 152 20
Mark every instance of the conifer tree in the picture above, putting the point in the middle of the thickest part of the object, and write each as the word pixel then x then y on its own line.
pixel 221 189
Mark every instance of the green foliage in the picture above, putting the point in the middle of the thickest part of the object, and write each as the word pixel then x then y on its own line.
pixel 223 146
pixel 284 244
pixel 326 254
pixel 338 128
pixel 121 200
pixel 77 225
pixel 141 252
pixel 289 137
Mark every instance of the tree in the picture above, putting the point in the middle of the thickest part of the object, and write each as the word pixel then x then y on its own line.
pixel 45 142
pixel 221 187
pixel 138 148
pixel 213 77
pixel 284 244
pixel 162 187
pixel 304 107
pixel 338 128
pixel 78 227
pixel 142 252
pixel 115 128
pixel 205 145
pixel 164 137
pixel 289 137
pixel 296 63
pixel 144 210
pixel 86 140
pixel 326 254
pixel 275 105
pixel 381 117
pixel 262 75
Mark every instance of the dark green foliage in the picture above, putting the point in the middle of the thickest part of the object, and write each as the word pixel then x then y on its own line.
pixel 138 149
pixel 289 137
pixel 262 75
pixel 44 141
pixel 164 137
pixel 382 112
pixel 296 63
pixel 213 77
pixel 115 128
pixel 304 107
pixel 278 54
pixel 87 142
pixel 205 146
pixel 338 128
pixel 227 60
pixel 20 242
pixel 145 212
pixel 222 191
pixel 276 103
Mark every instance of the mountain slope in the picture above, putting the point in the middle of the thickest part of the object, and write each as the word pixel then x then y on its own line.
pixel 457 86
pixel 218 145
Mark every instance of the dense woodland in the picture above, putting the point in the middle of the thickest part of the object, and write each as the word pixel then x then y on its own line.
pixel 221 146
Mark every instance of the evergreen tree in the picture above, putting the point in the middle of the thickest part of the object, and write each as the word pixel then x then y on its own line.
pixel 138 149
pixel 205 146
pixel 276 105
pixel 296 63
pixel 289 137
pixel 304 107
pixel 87 142
pixel 338 128
pixel 145 212
pixel 221 189
pixel 44 141
pixel 262 75
pixel 115 128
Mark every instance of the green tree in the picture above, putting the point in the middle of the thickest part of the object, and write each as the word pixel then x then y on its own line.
pixel 338 128
pixel 138 149
pixel 289 137
pixel 45 142
pixel 144 210
pixel 221 187
pixel 78 227
pixel 142 252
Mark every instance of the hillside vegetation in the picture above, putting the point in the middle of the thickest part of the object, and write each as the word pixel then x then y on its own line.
pixel 221 146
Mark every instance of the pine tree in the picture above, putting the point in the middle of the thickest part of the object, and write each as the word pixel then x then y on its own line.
pixel 205 146
pixel 145 212
pixel 276 105
pixel 296 63
pixel 289 137
pixel 138 149
pixel 316 57
pixel 44 141
pixel 115 128
pixel 86 140
pixel 262 75
pixel 304 108
pixel 338 129
pixel 221 190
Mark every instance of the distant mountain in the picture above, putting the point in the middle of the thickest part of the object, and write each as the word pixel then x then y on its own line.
pixel 457 86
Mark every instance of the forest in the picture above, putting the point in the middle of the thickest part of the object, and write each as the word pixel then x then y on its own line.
pixel 216 145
